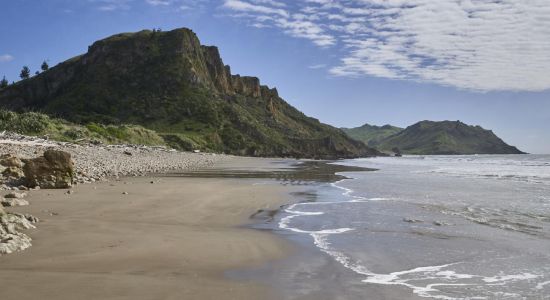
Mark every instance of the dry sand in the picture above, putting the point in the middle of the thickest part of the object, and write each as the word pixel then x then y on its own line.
pixel 173 239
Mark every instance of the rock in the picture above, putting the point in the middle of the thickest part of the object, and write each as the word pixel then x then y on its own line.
pixel 10 202
pixel 69 192
pixel 32 218
pixel 11 239
pixel 15 195
pixel 125 193
pixel 127 153
pixel 54 170
pixel 13 172
pixel 11 166
pixel 9 160
pixel 412 220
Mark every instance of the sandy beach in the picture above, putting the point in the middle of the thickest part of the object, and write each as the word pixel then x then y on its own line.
pixel 167 238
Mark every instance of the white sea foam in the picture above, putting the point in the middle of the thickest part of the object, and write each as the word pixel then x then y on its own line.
pixel 541 285
pixel 426 281
pixel 533 169
pixel 515 277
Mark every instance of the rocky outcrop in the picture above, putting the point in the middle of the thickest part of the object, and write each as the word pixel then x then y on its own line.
pixel 11 239
pixel 53 170
pixel 169 80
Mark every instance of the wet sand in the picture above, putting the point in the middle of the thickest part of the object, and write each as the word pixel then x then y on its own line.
pixel 171 239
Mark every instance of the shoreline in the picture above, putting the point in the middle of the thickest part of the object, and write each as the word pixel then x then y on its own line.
pixel 171 239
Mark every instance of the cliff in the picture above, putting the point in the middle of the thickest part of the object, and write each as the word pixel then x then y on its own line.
pixel 170 83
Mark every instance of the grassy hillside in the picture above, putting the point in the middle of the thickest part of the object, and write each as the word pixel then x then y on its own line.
pixel 37 124
pixel 371 134
pixel 168 82
pixel 446 137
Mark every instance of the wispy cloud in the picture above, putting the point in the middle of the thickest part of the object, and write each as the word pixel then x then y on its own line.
pixel 6 58
pixel 159 2
pixel 244 6
pixel 319 66
pixel 271 13
pixel 112 5
pixel 469 44
pixel 179 5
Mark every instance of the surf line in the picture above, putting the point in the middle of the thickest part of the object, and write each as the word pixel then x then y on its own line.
pixel 321 240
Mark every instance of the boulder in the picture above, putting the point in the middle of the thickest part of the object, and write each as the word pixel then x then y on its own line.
pixel 10 202
pixel 54 170
pixel 15 195
pixel 11 239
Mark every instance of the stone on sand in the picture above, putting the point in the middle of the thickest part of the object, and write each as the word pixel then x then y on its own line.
pixel 53 170
pixel 11 202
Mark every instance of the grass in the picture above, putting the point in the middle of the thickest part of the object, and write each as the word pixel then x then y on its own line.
pixel 38 124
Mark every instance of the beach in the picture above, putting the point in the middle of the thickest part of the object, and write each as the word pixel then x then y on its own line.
pixel 225 227
pixel 151 237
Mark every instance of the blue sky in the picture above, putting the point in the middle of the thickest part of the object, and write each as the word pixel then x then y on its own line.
pixel 344 62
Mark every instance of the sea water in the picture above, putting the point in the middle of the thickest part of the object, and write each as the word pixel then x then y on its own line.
pixel 441 227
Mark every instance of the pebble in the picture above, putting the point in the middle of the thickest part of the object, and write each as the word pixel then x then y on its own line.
pixel 97 162
pixel 412 220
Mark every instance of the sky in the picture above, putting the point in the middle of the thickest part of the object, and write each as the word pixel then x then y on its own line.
pixel 345 62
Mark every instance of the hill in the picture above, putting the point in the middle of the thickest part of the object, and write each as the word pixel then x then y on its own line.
pixel 370 134
pixel 446 137
pixel 170 83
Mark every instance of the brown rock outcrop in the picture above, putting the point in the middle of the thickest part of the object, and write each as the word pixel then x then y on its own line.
pixel 53 170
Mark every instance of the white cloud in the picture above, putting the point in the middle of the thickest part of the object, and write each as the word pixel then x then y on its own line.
pixel 319 66
pixel 244 6
pixel 112 5
pixel 270 13
pixel 469 44
pixel 159 2
pixel 6 58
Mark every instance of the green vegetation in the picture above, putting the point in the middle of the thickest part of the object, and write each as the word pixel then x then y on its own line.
pixel 428 137
pixel 371 134
pixel 4 83
pixel 25 72
pixel 37 124
pixel 44 67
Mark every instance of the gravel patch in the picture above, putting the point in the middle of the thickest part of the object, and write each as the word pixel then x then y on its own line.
pixel 95 162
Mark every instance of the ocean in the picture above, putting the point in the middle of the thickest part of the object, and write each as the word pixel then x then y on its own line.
pixel 440 227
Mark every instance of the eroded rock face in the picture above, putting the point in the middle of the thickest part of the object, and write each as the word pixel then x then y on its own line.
pixel 54 170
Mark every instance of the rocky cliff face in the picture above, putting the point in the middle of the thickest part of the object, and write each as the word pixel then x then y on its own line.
pixel 169 82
